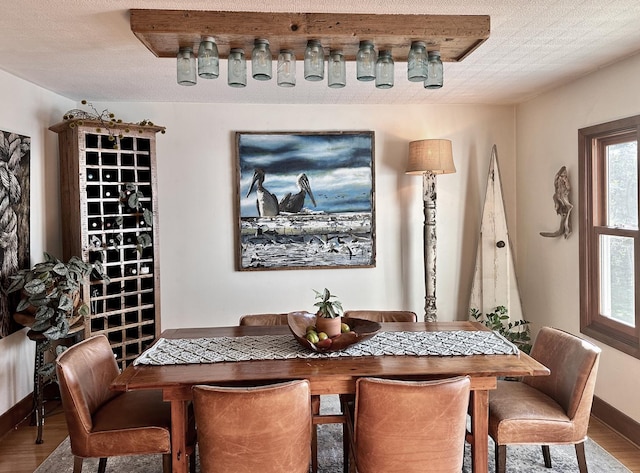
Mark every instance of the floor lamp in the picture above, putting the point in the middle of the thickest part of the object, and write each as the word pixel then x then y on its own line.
pixel 430 157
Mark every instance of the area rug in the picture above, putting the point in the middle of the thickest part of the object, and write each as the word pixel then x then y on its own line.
pixel 520 459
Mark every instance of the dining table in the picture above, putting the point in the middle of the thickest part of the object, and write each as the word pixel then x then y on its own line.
pixel 326 374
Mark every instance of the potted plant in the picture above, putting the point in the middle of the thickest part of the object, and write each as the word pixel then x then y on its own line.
pixel 51 293
pixel 517 332
pixel 329 314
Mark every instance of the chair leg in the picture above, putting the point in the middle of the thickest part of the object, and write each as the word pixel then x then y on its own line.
pixel 166 463
pixel 314 448
pixel 346 446
pixel 546 454
pixel 582 459
pixel 102 465
pixel 315 410
pixel 501 458
pixel 350 455
pixel 77 464
pixel 192 462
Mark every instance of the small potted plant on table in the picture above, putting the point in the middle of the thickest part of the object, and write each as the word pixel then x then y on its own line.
pixel 329 314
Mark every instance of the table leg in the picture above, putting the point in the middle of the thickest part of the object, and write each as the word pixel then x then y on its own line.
pixel 480 431
pixel 179 436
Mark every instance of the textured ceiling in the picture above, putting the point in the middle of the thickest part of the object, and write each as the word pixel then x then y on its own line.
pixel 85 49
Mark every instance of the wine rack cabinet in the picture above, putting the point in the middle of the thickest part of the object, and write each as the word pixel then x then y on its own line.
pixel 100 168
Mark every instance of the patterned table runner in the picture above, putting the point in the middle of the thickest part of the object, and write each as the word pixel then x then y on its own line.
pixel 178 351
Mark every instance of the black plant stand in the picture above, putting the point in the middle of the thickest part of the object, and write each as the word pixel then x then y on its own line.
pixel 40 380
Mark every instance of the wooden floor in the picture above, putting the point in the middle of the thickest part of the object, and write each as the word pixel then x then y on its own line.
pixel 20 454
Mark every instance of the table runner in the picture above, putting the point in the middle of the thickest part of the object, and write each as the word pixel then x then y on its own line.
pixel 177 351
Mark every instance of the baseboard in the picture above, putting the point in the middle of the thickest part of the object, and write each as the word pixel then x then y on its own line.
pixel 16 414
pixel 617 420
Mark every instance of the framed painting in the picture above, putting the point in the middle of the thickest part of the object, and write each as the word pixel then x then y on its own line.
pixel 305 200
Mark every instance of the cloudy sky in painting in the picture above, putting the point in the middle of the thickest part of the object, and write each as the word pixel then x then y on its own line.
pixel 338 166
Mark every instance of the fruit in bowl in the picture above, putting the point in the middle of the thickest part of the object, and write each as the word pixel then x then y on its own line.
pixel 303 328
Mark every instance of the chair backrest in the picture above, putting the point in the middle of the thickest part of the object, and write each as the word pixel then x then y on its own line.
pixel 410 426
pixel 265 428
pixel 383 315
pixel 573 363
pixel 85 372
pixel 263 319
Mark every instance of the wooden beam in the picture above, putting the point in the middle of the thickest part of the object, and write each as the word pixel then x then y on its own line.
pixel 163 32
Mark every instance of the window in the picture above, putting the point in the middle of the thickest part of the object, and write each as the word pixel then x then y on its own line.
pixel 609 234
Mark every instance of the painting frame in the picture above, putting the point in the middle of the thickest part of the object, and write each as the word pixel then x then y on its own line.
pixel 305 200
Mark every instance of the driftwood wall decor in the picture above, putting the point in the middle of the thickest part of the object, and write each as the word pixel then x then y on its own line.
pixel 563 205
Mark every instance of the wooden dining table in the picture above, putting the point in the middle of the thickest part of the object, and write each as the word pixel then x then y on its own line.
pixel 327 376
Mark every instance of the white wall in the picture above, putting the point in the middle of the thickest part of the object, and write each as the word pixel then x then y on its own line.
pixel 28 110
pixel 197 189
pixel 548 268
pixel 196 170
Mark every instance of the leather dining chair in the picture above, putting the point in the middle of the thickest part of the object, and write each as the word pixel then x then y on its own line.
pixel 383 315
pixel 251 429
pixel 546 410
pixel 264 319
pixel 408 426
pixel 281 319
pixel 375 316
pixel 104 423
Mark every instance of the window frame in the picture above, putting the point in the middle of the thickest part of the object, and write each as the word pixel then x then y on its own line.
pixel 592 200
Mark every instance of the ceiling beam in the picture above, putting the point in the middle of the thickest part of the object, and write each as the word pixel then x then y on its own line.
pixel 163 32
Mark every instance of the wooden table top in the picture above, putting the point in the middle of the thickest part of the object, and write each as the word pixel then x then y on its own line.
pixel 326 375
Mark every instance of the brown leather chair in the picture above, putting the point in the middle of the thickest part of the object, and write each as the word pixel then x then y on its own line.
pixel 409 426
pixel 375 316
pixel 264 428
pixel 264 319
pixel 383 315
pixel 545 410
pixel 281 319
pixel 104 423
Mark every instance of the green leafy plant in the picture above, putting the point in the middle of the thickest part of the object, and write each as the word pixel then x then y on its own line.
pixel 327 308
pixel 518 332
pixel 51 293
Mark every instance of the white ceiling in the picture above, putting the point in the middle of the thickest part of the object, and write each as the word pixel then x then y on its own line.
pixel 84 49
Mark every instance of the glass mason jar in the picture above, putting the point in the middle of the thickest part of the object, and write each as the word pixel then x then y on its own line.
pixel 186 67
pixel 286 68
pixel 417 62
pixel 261 60
pixel 384 70
pixel 336 70
pixel 314 61
pixel 366 61
pixel 208 60
pixel 237 68
pixel 435 71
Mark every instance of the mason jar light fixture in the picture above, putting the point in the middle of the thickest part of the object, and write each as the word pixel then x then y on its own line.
pixel 186 67
pixel 208 61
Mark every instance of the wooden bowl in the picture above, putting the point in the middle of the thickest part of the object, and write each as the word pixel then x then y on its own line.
pixel 360 330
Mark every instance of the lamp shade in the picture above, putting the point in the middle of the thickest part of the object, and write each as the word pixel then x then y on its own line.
pixel 433 156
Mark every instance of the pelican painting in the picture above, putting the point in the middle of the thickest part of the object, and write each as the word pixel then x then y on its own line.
pixel 294 203
pixel 324 215
pixel 266 202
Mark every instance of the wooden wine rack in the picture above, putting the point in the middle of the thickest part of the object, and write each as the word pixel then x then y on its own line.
pixel 98 224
